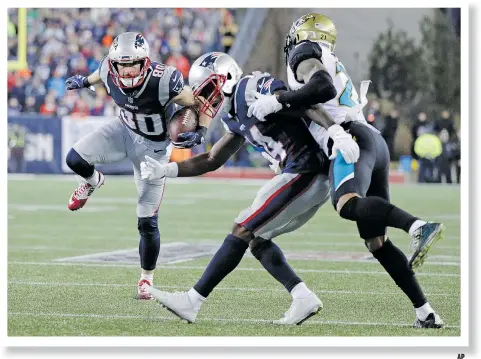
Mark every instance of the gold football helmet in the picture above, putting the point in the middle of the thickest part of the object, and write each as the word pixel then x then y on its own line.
pixel 312 27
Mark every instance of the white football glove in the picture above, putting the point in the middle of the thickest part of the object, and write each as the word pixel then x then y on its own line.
pixel 275 165
pixel 151 169
pixel 263 106
pixel 344 143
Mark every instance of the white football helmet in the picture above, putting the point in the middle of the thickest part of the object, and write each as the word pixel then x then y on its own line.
pixel 212 76
pixel 129 48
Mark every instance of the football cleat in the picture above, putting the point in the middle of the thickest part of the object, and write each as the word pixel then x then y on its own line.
pixel 301 310
pixel 83 192
pixel 142 292
pixel 177 303
pixel 432 321
pixel 423 238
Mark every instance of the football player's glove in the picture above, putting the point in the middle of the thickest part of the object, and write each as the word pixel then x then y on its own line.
pixel 263 106
pixel 77 82
pixel 344 143
pixel 190 139
pixel 150 169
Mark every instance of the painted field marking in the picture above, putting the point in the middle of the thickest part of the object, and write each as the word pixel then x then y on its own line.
pixel 166 267
pixel 207 319
pixel 221 288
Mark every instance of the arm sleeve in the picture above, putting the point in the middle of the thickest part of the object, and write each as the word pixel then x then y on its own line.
pixel 305 50
pixel 319 89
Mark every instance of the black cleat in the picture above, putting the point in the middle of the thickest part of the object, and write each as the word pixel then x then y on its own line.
pixel 432 321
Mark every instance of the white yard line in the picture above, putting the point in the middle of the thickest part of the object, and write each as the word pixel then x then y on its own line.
pixel 207 319
pixel 221 288
pixel 126 265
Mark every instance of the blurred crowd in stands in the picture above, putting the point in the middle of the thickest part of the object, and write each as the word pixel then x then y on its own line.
pixel 63 42
pixel 435 143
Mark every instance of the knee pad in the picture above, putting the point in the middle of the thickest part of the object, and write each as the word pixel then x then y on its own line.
pixel 370 229
pixel 147 227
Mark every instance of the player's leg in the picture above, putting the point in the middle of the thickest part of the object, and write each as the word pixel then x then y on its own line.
pixel 304 302
pixel 104 145
pixel 392 259
pixel 349 185
pixel 275 196
pixel 149 197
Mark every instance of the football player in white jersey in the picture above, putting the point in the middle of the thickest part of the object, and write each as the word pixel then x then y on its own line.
pixel 359 186
pixel 146 92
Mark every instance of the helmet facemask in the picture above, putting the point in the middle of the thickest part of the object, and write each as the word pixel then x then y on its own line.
pixel 129 80
pixel 210 94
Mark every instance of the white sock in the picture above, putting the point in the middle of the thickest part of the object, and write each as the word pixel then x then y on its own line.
pixel 418 223
pixel 424 311
pixel 195 298
pixel 149 277
pixel 300 291
pixel 94 180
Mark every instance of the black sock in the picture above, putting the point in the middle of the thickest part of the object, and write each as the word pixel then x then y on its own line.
pixel 227 257
pixel 149 245
pixel 273 260
pixel 379 210
pixel 77 164
pixel 396 264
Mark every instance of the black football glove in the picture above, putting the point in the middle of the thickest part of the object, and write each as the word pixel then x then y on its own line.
pixel 190 139
pixel 77 82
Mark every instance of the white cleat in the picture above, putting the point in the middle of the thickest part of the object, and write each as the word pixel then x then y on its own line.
pixel 177 303
pixel 301 310
pixel 142 293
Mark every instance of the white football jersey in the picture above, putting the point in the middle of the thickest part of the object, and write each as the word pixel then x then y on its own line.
pixel 346 106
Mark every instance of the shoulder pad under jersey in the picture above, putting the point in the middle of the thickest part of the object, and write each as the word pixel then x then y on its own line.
pixel 171 82
pixel 303 51
pixel 104 72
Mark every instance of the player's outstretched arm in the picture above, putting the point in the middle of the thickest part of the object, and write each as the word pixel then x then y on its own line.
pixel 78 81
pixel 223 149
pixel 318 88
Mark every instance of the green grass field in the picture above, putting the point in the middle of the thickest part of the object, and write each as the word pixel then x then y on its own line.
pixel 81 297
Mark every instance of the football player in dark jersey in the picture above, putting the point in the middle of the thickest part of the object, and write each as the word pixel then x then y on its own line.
pixel 282 205
pixel 146 93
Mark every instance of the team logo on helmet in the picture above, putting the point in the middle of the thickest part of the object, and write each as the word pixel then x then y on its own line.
pixel 210 59
pixel 115 43
pixel 139 41
pixel 301 21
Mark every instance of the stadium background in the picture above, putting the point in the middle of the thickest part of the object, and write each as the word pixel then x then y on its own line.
pixel 46 46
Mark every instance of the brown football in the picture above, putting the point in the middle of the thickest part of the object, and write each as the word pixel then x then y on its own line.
pixel 184 120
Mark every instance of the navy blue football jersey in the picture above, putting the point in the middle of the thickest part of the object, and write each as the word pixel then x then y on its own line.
pixel 146 110
pixel 285 139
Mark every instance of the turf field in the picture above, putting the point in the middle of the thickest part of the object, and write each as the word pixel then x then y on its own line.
pixel 58 285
